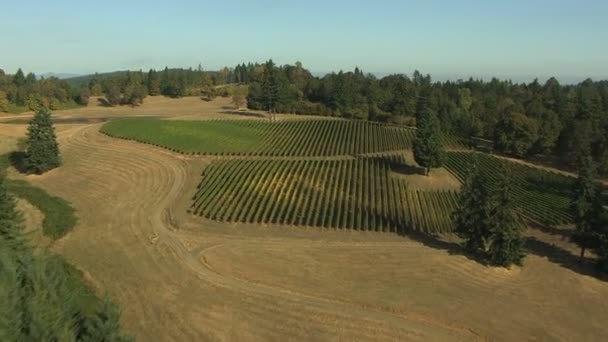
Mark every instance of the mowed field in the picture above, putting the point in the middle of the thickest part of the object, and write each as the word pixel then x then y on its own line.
pixel 182 277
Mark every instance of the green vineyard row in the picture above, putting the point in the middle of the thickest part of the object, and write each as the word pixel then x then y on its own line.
pixel 540 195
pixel 355 194
pixel 296 138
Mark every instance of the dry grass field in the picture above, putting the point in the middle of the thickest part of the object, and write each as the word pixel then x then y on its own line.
pixel 178 278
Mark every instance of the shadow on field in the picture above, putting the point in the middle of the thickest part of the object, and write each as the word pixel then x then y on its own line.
pixel 17 160
pixel 563 233
pixel 533 245
pixel 453 248
pixel 243 113
pixel 563 258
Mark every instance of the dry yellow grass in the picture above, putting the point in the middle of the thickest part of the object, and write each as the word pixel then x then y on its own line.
pixel 179 278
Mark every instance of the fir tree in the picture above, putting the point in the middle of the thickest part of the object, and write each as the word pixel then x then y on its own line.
pixel 471 216
pixel 586 207
pixel 42 151
pixel 270 87
pixel 428 151
pixel 506 240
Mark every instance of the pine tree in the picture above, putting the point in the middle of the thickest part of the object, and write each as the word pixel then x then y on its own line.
pixel 602 248
pixel 19 78
pixel 153 83
pixel 270 87
pixel 506 240
pixel 428 151
pixel 42 151
pixel 471 217
pixel 104 325
pixel 586 207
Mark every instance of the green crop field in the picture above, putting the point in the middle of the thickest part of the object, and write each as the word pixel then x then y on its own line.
pixel 357 191
pixel 358 194
pixel 304 138
pixel 542 196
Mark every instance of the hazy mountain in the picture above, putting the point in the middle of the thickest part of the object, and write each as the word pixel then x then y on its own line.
pixel 61 75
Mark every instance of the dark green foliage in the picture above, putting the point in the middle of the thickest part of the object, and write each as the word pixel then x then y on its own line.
pixel 83 96
pixel 59 216
pixel 42 152
pixel 26 92
pixel 506 240
pixel 540 196
pixel 428 151
pixel 486 218
pixel 112 93
pixel 587 208
pixel 42 298
pixel 153 83
pixel 471 218
pixel 516 133
pixel 270 86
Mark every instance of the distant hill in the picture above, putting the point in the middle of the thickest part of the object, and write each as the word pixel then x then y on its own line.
pixel 60 75
pixel 85 79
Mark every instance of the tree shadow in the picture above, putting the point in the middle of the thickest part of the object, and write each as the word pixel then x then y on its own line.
pixel 436 242
pixel 17 159
pixel 563 233
pixel 562 257
pixel 243 113
pixel 533 245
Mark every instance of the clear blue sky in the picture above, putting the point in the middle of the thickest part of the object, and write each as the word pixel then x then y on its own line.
pixel 510 39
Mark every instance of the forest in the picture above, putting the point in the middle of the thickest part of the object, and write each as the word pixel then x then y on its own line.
pixel 549 121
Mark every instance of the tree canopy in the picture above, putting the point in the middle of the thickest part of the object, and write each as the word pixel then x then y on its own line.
pixel 42 150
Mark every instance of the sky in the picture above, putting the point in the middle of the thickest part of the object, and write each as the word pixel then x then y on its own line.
pixel 517 39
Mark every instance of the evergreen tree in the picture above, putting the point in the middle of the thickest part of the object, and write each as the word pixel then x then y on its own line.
pixel 270 88
pixel 506 240
pixel 586 207
pixel 153 83
pixel 602 248
pixel 3 102
pixel 41 297
pixel 42 151
pixel 19 78
pixel 428 151
pixel 472 214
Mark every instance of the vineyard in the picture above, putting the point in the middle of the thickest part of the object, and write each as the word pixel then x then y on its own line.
pixel 540 195
pixel 301 138
pixel 356 194
pixel 356 191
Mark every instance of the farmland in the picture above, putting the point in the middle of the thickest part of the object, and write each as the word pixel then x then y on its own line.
pixel 180 276
pixel 356 194
pixel 303 138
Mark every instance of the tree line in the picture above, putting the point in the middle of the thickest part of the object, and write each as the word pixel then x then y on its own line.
pixel 21 92
pixel 563 122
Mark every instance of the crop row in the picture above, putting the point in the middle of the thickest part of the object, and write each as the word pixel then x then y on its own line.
pixel 540 195
pixel 302 138
pixel 356 194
